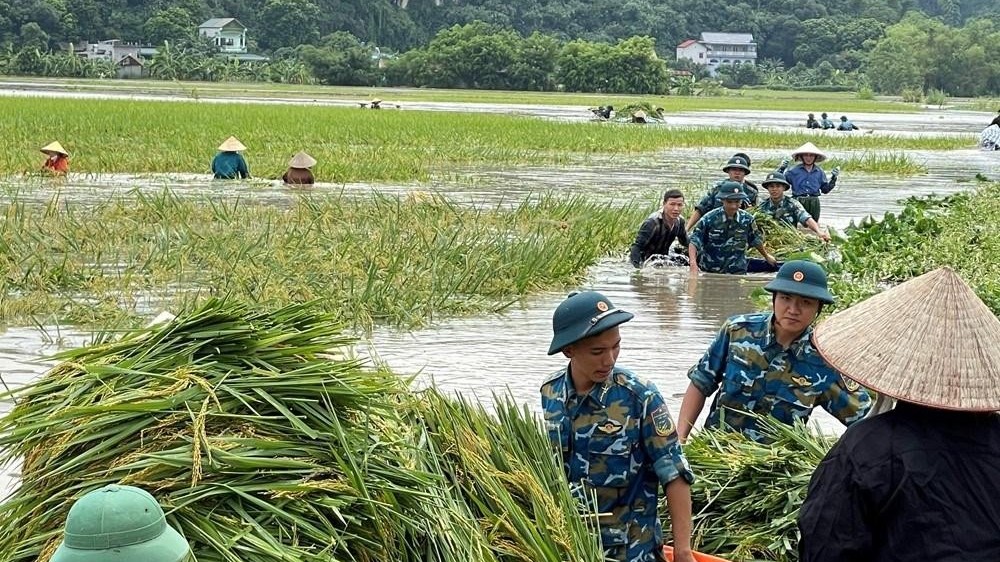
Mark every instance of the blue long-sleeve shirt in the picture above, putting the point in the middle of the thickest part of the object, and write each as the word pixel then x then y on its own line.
pixel 230 166
pixel 808 182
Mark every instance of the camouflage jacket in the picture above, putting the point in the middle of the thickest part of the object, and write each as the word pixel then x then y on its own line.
pixel 619 442
pixel 752 373
pixel 788 211
pixel 711 199
pixel 722 242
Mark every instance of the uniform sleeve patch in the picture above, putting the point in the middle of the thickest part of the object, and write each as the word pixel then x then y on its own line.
pixel 662 422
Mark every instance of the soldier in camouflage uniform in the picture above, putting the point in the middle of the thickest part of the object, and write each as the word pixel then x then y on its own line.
pixel 614 435
pixel 720 240
pixel 738 168
pixel 784 209
pixel 766 364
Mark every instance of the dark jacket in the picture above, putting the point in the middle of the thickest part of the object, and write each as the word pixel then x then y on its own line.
pixel 298 176
pixel 915 483
pixel 655 237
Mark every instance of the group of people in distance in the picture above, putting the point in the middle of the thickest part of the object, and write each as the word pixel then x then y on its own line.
pixel 826 123
pixel 228 164
pixel 719 231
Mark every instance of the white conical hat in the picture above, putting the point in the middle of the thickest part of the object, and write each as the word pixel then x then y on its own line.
pixel 639 114
pixel 54 146
pixel 929 341
pixel 232 144
pixel 809 148
pixel 302 160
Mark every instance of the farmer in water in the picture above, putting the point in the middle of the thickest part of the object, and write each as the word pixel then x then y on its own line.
pixel 764 363
pixel 614 435
pixel 659 231
pixel 807 179
pixel 826 122
pixel 720 239
pixel 811 122
pixel 299 172
pixel 119 524
pixel 922 481
pixel 229 164
pixel 57 159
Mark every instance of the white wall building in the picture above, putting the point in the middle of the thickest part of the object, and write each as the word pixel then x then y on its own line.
pixel 229 35
pixel 719 49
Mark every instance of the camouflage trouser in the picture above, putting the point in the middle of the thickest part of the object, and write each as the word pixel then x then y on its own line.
pixel 811 205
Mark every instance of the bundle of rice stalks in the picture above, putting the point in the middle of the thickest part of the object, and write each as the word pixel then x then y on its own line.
pixel 747 494
pixel 262 448
pixel 790 243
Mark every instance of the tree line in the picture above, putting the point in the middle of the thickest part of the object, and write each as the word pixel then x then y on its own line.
pixel 594 45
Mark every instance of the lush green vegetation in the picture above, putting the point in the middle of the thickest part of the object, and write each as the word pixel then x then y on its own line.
pixel 263 447
pixel 350 144
pixel 376 259
pixel 928 233
pixel 747 495
pixel 895 46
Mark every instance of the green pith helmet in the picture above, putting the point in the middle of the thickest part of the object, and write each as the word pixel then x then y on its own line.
pixel 843 118
pixel 583 315
pixel 119 524
pixel 803 278
pixel 729 190
pixel 823 116
pixel 776 177
pixel 739 162
pixel 811 116
pixel 744 156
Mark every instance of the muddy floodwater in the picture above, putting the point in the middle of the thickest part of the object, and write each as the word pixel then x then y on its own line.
pixel 676 315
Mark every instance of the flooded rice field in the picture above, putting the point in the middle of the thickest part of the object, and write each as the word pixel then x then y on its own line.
pixel 676 315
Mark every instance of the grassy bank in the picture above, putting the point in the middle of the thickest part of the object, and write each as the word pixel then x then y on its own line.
pixel 813 102
pixel 350 144
pixel 400 261
pixel 957 231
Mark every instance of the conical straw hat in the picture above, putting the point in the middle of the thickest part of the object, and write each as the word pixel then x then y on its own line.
pixel 639 114
pixel 809 148
pixel 929 341
pixel 302 160
pixel 232 144
pixel 54 146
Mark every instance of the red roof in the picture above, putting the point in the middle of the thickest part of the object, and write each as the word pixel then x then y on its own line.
pixel 687 43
